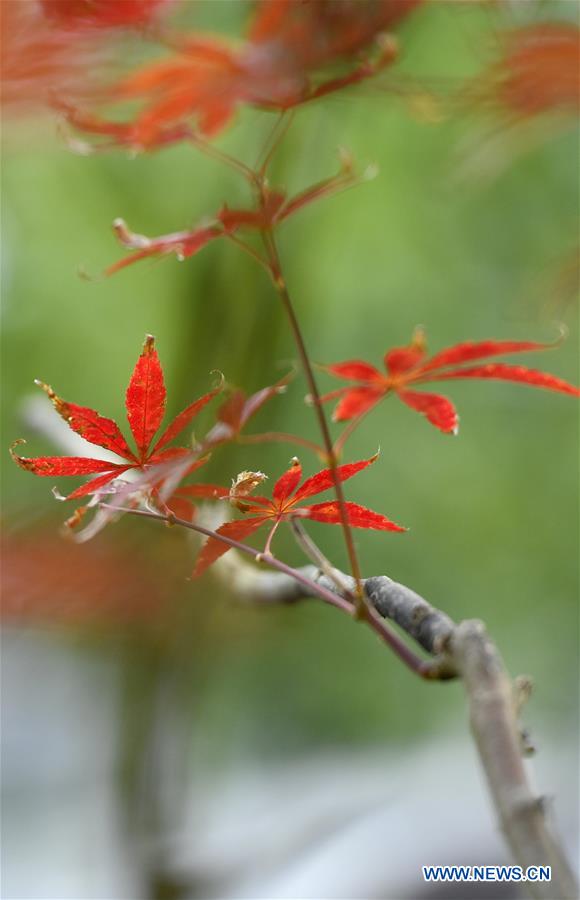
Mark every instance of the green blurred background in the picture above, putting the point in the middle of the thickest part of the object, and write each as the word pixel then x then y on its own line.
pixel 492 512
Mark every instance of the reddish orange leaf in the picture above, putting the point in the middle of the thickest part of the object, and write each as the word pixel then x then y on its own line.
pixel 161 469
pixel 145 398
pixel 96 484
pixel 437 409
pixel 54 466
pixel 231 411
pixel 214 548
pixel 402 359
pixel 90 425
pixel 519 374
pixel 357 401
pixel 355 370
pixel 182 420
pixel 407 366
pixel 101 13
pixel 182 243
pixel 207 78
pixel 181 508
pixel 358 516
pixel 238 409
pixel 284 506
pixel 323 480
pixel 461 353
pixel 287 482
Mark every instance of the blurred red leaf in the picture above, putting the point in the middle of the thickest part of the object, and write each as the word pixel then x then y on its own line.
pixel 408 366
pixel 275 67
pixel 102 13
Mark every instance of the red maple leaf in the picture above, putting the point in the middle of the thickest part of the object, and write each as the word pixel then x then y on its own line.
pixel 234 414
pixel 409 366
pixel 287 503
pixel 145 405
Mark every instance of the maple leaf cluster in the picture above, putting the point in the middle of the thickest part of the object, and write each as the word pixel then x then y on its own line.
pixel 145 405
pixel 292 53
pixel 207 78
pixel 409 365
pixel 163 468
pixel 162 465
pixel 287 503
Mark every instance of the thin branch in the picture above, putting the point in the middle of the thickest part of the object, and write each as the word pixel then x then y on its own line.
pixel 466 651
pixel 280 285
pixel 351 427
pixel 224 158
pixel 309 587
pixel 521 812
pixel 315 554
pixel 273 141
pixel 247 248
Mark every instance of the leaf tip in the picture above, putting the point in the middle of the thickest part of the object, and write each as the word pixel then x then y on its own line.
pixel 45 387
pixel 17 459
pixel 148 345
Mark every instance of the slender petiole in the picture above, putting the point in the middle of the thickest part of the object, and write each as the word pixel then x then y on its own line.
pixel 315 554
pixel 280 285
pixel 267 547
pixel 351 427
pixel 280 437
pixel 250 251
pixel 274 140
pixel 222 157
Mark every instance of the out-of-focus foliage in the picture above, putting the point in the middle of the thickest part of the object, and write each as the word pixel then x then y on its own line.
pixel 492 512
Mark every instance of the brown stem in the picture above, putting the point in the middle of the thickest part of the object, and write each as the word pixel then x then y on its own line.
pixel 412 661
pixel 224 158
pixel 280 285
pixel 315 555
pixel 274 140
pixel 247 248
